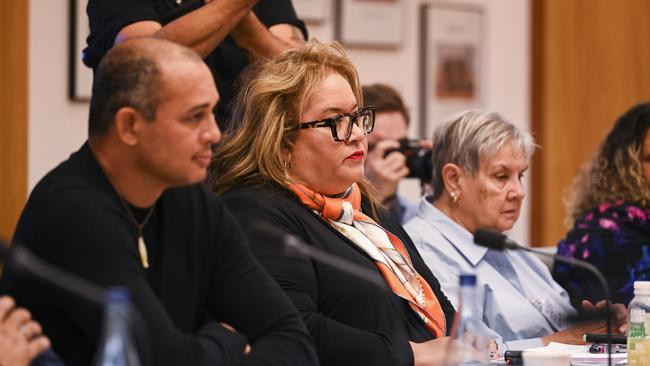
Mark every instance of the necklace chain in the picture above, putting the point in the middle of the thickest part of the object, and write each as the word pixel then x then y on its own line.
pixel 142 247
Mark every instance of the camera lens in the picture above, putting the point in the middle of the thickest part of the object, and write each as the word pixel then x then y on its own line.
pixel 420 164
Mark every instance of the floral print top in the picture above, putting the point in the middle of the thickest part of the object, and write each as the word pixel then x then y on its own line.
pixel 614 237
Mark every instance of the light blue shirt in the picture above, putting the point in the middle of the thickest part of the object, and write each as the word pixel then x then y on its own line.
pixel 408 208
pixel 520 315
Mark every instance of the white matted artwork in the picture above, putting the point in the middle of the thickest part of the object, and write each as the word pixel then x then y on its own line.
pixel 452 62
pixel 313 11
pixel 370 23
pixel 81 76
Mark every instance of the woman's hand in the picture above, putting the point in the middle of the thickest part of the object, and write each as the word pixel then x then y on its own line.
pixel 21 338
pixel 575 334
pixel 430 353
pixel 618 311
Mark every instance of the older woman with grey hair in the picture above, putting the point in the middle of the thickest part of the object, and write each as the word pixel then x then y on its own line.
pixel 479 160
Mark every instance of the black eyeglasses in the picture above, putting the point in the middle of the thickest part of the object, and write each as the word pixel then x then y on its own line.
pixel 341 125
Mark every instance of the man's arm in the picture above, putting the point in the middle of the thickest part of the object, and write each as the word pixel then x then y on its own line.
pixel 288 33
pixel 260 42
pixel 202 29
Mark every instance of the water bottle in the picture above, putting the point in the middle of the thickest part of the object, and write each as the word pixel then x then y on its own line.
pixel 638 334
pixel 116 347
pixel 470 339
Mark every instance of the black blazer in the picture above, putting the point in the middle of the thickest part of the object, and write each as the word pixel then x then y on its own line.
pixel 351 321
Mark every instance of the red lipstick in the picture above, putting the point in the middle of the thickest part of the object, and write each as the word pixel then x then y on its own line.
pixel 357 155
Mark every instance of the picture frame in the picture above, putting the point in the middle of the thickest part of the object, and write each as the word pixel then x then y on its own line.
pixel 313 11
pixel 369 23
pixel 452 61
pixel 80 76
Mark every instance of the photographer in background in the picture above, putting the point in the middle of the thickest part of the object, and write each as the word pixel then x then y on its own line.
pixel 386 164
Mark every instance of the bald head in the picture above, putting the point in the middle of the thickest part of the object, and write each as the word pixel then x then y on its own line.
pixel 130 75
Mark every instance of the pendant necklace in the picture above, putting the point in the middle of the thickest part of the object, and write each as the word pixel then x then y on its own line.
pixel 142 247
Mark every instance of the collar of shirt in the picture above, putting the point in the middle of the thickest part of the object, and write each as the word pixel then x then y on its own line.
pixel 457 235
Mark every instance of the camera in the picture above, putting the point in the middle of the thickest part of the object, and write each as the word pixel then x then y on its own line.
pixel 418 159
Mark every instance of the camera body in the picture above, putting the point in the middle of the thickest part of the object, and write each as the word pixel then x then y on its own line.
pixel 418 159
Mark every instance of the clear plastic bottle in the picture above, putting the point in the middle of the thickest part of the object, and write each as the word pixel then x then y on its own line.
pixel 116 347
pixel 470 339
pixel 638 334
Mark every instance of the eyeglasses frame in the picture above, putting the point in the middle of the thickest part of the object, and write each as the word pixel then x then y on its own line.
pixel 331 122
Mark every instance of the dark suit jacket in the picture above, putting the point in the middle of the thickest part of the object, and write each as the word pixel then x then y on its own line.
pixel 351 321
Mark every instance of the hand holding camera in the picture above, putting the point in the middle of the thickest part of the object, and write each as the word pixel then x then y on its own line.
pixel 386 165
pixel 418 158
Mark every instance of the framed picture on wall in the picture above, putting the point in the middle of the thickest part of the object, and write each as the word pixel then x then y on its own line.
pixel 452 61
pixel 369 23
pixel 313 11
pixel 80 76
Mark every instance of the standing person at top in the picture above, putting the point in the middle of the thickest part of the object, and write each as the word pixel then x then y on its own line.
pixel 386 166
pixel 479 160
pixel 226 33
pixel 609 208
pixel 128 209
pixel 297 162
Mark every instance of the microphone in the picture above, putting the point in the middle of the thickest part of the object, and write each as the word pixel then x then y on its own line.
pixel 498 241
pixel 291 245
pixel 22 262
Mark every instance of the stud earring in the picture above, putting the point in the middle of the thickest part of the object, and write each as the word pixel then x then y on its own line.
pixel 454 197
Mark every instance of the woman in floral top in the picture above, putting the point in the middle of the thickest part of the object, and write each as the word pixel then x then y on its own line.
pixel 609 209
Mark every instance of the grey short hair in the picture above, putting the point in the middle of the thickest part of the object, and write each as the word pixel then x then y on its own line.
pixel 468 138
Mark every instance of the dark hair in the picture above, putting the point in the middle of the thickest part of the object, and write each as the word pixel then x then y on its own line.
pixel 126 77
pixel 130 76
pixel 615 172
pixel 629 130
pixel 385 99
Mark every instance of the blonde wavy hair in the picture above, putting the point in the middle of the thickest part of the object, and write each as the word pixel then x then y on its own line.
pixel 267 111
pixel 615 172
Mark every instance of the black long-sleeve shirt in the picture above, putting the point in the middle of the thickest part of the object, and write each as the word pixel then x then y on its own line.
pixel 201 273
pixel 351 321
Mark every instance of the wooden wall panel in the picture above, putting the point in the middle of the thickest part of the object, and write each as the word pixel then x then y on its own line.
pixel 591 62
pixel 13 112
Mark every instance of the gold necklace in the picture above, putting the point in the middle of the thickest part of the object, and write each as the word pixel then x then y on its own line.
pixel 142 247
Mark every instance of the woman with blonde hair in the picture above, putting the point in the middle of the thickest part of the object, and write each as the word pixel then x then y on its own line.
pixel 297 161
pixel 609 209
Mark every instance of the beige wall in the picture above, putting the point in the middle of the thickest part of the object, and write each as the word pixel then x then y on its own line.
pixel 57 126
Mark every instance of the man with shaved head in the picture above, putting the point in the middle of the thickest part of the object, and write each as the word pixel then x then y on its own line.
pixel 128 209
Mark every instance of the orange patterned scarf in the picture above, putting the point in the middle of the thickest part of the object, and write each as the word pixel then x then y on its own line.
pixel 387 250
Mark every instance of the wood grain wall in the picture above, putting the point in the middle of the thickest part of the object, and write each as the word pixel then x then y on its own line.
pixel 13 112
pixel 591 62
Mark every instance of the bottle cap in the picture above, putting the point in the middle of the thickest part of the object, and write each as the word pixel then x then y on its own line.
pixel 118 294
pixel 642 287
pixel 467 279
